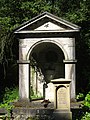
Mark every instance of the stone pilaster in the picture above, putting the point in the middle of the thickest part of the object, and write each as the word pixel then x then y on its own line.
pixel 24 80
pixel 71 74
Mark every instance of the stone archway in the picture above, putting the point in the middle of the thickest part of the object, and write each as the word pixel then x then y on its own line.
pixel 46 64
pixel 53 41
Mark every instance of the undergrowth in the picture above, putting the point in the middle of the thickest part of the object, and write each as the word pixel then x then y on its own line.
pixel 85 105
pixel 9 97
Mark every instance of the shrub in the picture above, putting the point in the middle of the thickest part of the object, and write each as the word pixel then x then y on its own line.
pixel 10 96
pixel 80 97
pixel 87 100
pixel 86 116
pixel 86 107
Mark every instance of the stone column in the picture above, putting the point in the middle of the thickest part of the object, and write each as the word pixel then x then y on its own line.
pixel 24 71
pixel 24 80
pixel 71 74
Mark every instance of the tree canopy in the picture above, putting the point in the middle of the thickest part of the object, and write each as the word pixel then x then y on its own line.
pixel 15 12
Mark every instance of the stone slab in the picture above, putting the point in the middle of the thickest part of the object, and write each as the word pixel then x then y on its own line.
pixel 62 115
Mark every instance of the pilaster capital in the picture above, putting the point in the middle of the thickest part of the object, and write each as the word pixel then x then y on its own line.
pixel 70 61
pixel 23 61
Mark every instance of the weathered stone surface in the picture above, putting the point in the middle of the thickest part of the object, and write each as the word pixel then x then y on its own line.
pixel 62 115
pixel 62 98
pixel 49 92
pixel 62 94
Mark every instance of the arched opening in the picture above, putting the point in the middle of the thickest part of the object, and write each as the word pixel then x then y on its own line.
pixel 46 64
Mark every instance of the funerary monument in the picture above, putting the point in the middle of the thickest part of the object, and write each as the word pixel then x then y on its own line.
pixel 47 59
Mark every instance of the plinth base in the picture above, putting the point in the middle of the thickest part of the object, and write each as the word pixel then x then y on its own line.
pixel 62 115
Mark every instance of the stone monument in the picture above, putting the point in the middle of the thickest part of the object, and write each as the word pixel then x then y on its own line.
pixel 47 58
pixel 49 42
pixel 62 99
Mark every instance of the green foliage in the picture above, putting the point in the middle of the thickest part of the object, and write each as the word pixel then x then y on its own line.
pixel 10 96
pixel 87 100
pixel 86 108
pixel 80 97
pixel 34 95
pixel 86 116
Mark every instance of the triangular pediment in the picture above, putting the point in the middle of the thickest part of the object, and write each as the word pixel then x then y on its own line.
pixel 49 26
pixel 46 22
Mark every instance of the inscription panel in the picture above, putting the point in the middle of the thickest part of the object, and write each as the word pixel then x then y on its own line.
pixel 62 98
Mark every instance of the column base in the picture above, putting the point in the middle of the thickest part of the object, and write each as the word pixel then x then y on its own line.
pixel 22 103
pixel 24 100
pixel 73 100
pixel 62 115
